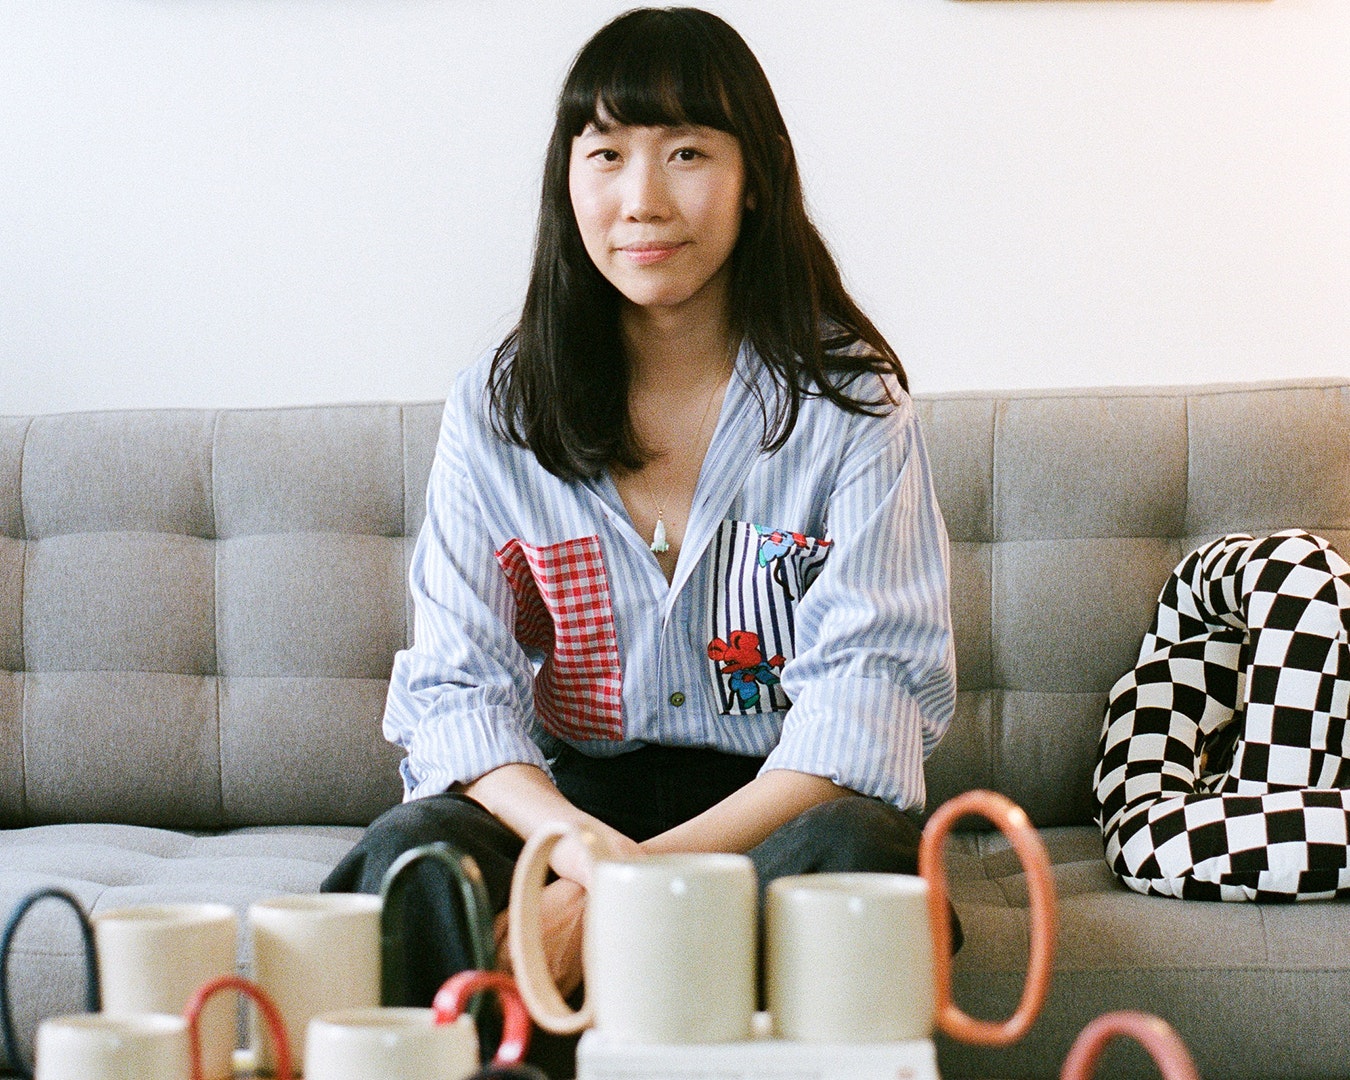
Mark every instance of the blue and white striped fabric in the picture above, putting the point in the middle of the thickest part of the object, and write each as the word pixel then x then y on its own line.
pixel 808 619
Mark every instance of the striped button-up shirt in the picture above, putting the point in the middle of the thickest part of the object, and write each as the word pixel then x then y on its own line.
pixel 808 619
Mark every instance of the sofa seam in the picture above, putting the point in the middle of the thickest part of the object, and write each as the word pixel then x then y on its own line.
pixel 405 529
pixel 24 801
pixel 215 611
pixel 997 677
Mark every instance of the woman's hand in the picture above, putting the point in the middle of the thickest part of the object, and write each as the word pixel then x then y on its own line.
pixel 573 856
pixel 562 908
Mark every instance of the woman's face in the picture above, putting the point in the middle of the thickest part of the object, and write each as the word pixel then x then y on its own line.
pixel 659 208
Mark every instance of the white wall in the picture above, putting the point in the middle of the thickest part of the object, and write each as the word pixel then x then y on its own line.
pixel 255 202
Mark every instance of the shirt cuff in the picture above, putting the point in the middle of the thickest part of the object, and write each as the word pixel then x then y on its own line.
pixel 459 748
pixel 863 734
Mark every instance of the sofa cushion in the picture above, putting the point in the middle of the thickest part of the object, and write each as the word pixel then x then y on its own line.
pixel 110 866
pixel 1246 985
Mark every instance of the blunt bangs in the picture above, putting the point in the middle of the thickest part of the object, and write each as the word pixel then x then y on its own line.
pixel 655 68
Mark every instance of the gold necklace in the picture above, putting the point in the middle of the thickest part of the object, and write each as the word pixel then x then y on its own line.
pixel 659 544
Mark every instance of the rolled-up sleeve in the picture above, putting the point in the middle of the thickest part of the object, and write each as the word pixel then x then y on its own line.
pixel 461 699
pixel 873 682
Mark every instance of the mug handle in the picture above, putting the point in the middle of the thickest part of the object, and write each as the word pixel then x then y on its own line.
pixel 1013 823
pixel 1158 1037
pixel 455 993
pixel 93 1001
pixel 473 896
pixel 281 1047
pixel 525 937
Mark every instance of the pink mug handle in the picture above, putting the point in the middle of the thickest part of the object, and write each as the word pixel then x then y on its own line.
pixel 1158 1037
pixel 281 1047
pixel 453 997
pixel 1012 822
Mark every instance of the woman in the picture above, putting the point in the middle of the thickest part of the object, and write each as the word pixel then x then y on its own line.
pixel 690 486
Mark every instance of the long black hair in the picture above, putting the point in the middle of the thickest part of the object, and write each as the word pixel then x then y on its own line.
pixel 559 382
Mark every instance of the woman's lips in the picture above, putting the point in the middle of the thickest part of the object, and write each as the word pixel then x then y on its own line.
pixel 648 254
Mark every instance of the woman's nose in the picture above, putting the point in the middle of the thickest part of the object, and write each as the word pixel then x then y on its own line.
pixel 645 196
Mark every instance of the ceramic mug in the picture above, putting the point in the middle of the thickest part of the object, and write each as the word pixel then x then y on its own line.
pixel 144 1046
pixel 1161 1041
pixel 102 1046
pixel 153 957
pixel 669 953
pixel 316 953
pixel 92 998
pixel 1012 821
pixel 401 1043
pixel 849 958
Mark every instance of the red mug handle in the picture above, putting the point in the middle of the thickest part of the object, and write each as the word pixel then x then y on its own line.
pixel 1012 822
pixel 281 1047
pixel 1158 1037
pixel 453 997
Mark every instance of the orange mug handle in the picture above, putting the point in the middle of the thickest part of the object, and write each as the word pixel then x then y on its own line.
pixel 1013 823
pixel 1158 1037
pixel 281 1047
pixel 453 997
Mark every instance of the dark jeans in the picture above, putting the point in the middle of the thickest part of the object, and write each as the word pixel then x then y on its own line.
pixel 640 794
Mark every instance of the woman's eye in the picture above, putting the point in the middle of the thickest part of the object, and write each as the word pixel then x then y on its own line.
pixel 687 153
pixel 608 156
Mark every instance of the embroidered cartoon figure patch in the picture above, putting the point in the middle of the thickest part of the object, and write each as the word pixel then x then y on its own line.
pixel 743 661
pixel 775 544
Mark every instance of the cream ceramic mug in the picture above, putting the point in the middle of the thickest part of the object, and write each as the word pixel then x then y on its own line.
pixel 316 953
pixel 152 958
pixel 669 954
pixel 99 1046
pixel 401 1043
pixel 867 957
pixel 848 958
pixel 145 1046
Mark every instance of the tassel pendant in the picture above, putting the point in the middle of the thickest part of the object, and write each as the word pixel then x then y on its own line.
pixel 659 545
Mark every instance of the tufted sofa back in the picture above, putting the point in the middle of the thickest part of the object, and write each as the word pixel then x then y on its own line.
pixel 198 610
pixel 1067 511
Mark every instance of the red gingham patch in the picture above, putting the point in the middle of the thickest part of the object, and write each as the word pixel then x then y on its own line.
pixel 563 609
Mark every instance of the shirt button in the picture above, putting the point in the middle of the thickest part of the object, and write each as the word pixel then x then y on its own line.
pixel 677 699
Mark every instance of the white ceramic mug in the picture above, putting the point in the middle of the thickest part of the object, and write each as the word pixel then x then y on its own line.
pixel 152 957
pixel 849 958
pixel 314 954
pixel 400 1043
pixel 669 952
pixel 99 1046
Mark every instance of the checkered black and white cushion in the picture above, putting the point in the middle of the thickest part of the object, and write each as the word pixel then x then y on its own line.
pixel 1223 761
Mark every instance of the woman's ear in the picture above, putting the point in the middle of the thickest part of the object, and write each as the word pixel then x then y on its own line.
pixel 749 200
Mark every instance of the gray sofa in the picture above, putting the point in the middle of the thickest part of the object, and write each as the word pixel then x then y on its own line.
pixel 198 611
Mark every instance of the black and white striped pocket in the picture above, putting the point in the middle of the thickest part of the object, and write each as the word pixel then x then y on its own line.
pixel 758 575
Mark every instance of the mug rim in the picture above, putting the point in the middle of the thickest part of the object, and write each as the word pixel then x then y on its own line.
pixel 177 913
pixel 867 884
pixel 140 1023
pixel 319 904
pixel 379 1018
pixel 710 860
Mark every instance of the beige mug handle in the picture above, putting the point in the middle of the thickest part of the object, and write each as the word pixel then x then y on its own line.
pixel 525 938
pixel 1012 822
pixel 1158 1037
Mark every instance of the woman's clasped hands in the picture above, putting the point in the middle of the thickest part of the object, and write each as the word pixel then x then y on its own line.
pixel 562 907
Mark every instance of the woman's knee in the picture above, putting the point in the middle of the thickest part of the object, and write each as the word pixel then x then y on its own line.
pixel 448 819
pixel 852 833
